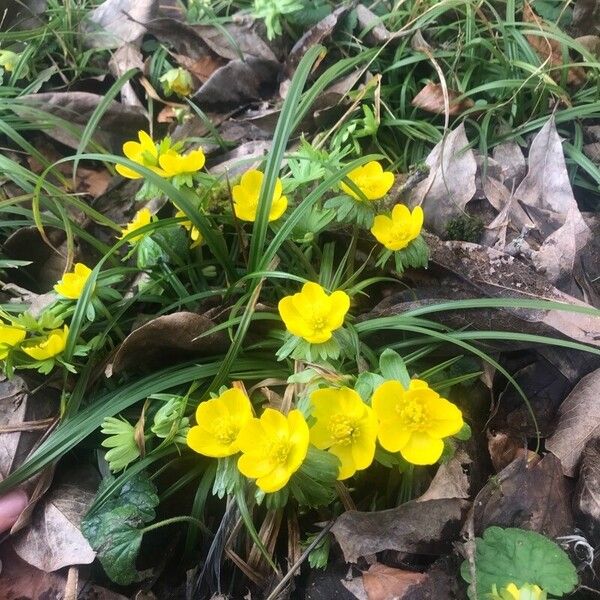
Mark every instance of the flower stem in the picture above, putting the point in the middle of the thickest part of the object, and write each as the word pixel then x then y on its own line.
pixel 172 520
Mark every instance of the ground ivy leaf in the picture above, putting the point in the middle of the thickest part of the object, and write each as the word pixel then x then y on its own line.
pixel 517 556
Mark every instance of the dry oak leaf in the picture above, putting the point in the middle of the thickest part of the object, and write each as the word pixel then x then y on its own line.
pixel 387 583
pixel 431 99
pixel 578 422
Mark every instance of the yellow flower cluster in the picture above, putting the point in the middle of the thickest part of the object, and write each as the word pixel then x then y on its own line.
pixel 371 180
pixel 71 285
pixel 163 159
pixel 41 347
pixel 399 230
pixel 246 195
pixel 272 448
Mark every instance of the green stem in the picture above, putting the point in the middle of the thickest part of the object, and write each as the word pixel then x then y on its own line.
pixel 172 520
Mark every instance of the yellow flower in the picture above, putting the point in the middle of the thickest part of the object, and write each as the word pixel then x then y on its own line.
pixel 414 421
pixel 48 346
pixel 371 180
pixel 143 153
pixel 525 592
pixel 172 163
pixel 142 218
pixel 177 81
pixel 9 336
pixel 273 448
pixel 346 426
pixel 194 232
pixel 71 285
pixel 246 193
pixel 401 229
pixel 312 314
pixel 219 423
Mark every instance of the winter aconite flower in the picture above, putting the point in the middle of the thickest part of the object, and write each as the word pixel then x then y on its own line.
pixel 273 448
pixel 399 230
pixel 121 441
pixel 371 180
pixel 142 218
pixel 177 81
pixel 219 423
pixel 414 421
pixel 10 336
pixel 8 60
pixel 246 194
pixel 194 232
pixel 173 163
pixel 312 314
pixel 345 426
pixel 143 153
pixel 48 346
pixel 525 592
pixel 71 285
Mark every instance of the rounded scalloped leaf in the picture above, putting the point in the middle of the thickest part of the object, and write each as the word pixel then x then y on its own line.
pixel 518 556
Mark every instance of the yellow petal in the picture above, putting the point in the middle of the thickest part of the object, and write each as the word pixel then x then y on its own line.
pixel 237 403
pixel 194 160
pixel 363 450
pixel 422 449
pixel 391 436
pixel 385 398
pixel 278 207
pixel 211 410
pixel 347 466
pixel 372 169
pixel 320 437
pixel 10 335
pixel 133 151
pixel 251 181
pixel 203 442
pixel 417 220
pixel 401 215
pixel 292 318
pixel 252 439
pixel 274 424
pixel 171 164
pixel 274 481
pixel 253 467
pixel 299 438
pixel 445 418
pixel 147 143
pixel 381 228
pixel 127 172
pixel 340 304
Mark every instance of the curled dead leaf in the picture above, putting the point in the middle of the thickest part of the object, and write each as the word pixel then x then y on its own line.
pixel 431 99
pixel 168 338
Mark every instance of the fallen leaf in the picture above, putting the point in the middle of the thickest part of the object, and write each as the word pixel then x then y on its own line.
pixel 450 184
pixel 118 22
pixel 511 159
pixel 534 496
pixel 118 124
pixel 587 493
pixel 505 448
pixel 377 32
pixel 237 83
pixel 450 481
pixel 578 422
pixel 315 35
pixel 431 99
pixel 415 527
pixel 53 539
pixel 13 404
pixel 586 17
pixel 166 339
pixel 386 583
pixel 127 57
pixel 240 159
pixel 549 49
pixel 201 68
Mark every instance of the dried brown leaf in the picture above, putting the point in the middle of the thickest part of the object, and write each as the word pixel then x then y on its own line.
pixel 431 99
pixel 414 527
pixel 451 480
pixel 578 423
pixel 167 338
pixel 386 583
pixel 587 494
pixel 505 448
pixel 13 404
pixel 450 184
pixel 549 49
pixel 377 32
pixel 535 496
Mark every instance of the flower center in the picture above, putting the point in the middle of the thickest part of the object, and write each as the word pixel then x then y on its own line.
pixel 412 414
pixel 279 451
pixel 342 429
pixel 399 235
pixel 225 431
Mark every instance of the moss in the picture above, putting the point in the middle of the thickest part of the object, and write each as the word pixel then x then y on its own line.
pixel 465 228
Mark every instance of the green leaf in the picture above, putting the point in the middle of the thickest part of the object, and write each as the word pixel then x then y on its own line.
pixel 116 528
pixel 314 483
pixel 517 556
pixel 392 366
pixel 465 433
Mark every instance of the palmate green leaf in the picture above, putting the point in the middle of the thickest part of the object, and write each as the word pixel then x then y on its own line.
pixel 517 556
pixel 392 366
pixel 115 530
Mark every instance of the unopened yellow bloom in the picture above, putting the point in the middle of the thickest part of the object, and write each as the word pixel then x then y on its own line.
pixel 246 194
pixel 371 180
pixel 414 421
pixel 346 426
pixel 141 218
pixel 48 346
pixel 172 163
pixel 143 153
pixel 399 230
pixel 9 336
pixel 8 60
pixel 194 232
pixel 219 423
pixel 71 285
pixel 525 592
pixel 312 314
pixel 177 81
pixel 273 448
